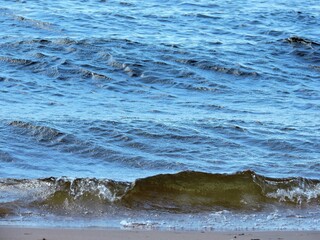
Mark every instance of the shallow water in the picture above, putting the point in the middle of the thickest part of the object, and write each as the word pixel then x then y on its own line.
pixel 98 94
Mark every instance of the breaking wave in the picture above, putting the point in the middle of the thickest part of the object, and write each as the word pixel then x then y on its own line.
pixel 186 191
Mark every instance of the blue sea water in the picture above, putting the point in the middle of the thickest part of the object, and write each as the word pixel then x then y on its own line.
pixel 97 95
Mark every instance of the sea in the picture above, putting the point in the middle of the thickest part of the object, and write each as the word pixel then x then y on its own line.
pixel 172 115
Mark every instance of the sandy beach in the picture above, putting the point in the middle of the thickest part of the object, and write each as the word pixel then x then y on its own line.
pixel 22 233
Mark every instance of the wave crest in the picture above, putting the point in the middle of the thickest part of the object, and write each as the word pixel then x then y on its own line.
pixel 186 191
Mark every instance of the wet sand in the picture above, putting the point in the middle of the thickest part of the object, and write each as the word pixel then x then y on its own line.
pixel 21 233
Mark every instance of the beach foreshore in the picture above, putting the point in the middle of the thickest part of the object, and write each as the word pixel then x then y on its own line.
pixel 24 233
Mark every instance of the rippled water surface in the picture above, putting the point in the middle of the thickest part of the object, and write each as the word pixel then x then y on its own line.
pixel 219 97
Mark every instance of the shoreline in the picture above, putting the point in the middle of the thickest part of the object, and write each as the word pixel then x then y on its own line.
pixel 39 233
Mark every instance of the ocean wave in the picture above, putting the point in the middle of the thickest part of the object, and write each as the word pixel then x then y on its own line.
pixel 49 55
pixel 300 40
pixel 30 22
pixel 33 22
pixel 17 61
pixel 187 191
pixel 207 65
pixel 5 157
pixel 42 133
pixel 84 148
pixel 316 68
pixel 305 49
pixel 165 65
